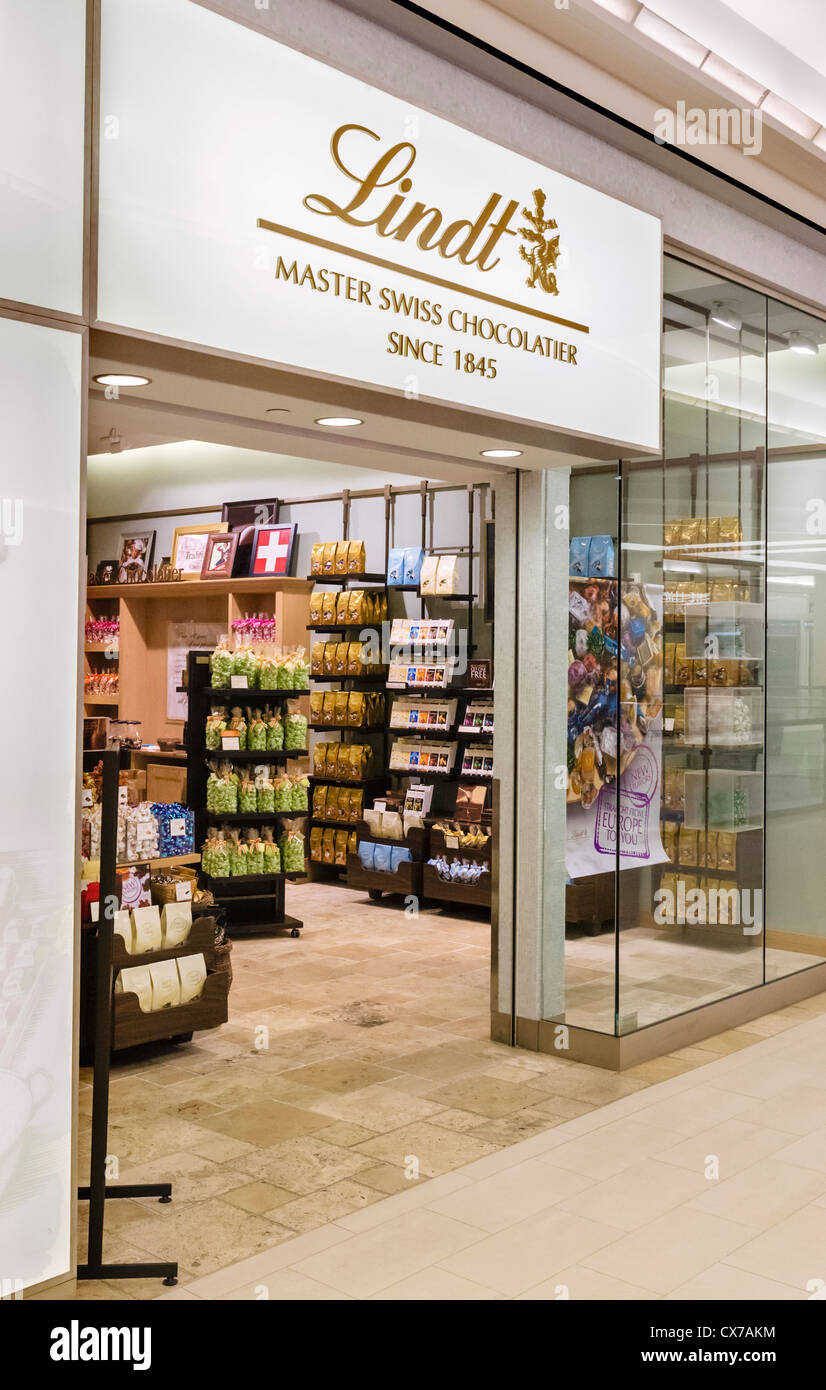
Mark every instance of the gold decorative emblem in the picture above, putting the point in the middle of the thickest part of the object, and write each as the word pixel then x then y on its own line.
pixel 541 250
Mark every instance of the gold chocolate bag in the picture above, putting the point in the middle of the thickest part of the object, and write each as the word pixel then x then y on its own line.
pixel 317 559
pixel 356 558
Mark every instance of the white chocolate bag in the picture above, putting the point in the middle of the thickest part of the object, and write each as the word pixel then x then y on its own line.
pixel 147 926
pixel 192 974
pixel 427 580
pixel 176 923
pixel 136 980
pixel 447 574
pixel 123 927
pixel 166 984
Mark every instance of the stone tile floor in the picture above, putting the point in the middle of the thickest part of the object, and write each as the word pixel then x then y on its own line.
pixel 354 1059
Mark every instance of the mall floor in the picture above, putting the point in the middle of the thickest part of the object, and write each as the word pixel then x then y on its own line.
pixel 708 1186
pixel 353 1059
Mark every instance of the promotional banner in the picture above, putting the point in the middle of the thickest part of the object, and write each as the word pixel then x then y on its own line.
pixel 615 665
pixel 310 219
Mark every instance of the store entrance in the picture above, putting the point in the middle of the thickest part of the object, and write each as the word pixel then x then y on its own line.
pixel 290 641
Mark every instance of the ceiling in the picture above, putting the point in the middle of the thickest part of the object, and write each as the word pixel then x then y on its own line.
pixel 634 60
pixel 195 395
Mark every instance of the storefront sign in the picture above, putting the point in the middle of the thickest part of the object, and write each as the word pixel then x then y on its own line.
pixel 309 219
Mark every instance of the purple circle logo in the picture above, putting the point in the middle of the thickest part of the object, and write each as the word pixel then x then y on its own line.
pixel 641 776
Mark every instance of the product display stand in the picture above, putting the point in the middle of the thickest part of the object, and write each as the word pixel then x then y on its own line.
pixel 254 903
pixel 98 1190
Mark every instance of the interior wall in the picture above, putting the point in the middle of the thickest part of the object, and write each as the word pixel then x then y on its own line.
pixel 152 491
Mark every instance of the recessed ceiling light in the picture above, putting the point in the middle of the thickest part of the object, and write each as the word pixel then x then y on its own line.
pixel 122 379
pixel 339 421
pixel 276 410
pixel 501 454
pixel 804 343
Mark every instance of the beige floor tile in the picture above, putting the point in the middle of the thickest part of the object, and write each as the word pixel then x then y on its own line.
pixel 208 1235
pixel 695 1109
pixel 510 1196
pixel 523 1255
pixel 305 1164
pixel 222 1150
pixel 799 1111
pixel 808 1152
pixel 461 1121
pixel 255 1268
pixel 726 1148
pixel 376 1108
pixel 258 1197
pixel 763 1193
pixel 585 1285
pixel 432 1150
pixel 388 1178
pixel 793 1251
pixel 637 1195
pixel 285 1286
pixel 669 1251
pixel 724 1283
pixel 326 1204
pixel 611 1148
pixel 376 1259
pixel 343 1134
pixel 488 1096
pixel 512 1129
pixel 763 1079
pixel 339 1075
pixel 436 1285
pixel 141 1141
pixel 264 1122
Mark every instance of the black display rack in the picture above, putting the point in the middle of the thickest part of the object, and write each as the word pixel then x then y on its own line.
pixel 99 1191
pixel 254 904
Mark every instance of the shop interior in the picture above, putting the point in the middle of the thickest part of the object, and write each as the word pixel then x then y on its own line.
pixel 725 535
pixel 289 643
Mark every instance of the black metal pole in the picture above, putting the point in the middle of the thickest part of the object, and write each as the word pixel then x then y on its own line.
pixel 103 1000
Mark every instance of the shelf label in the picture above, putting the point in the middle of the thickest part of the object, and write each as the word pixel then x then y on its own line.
pixel 238 682
pixel 183 892
pixel 451 841
pixel 230 743
pixel 177 827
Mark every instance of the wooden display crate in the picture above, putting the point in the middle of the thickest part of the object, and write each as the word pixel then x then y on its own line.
pixel 406 880
pixel 467 894
pixel 131 1026
pixel 590 903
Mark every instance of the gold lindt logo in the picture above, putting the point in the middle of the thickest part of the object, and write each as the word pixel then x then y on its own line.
pixel 472 241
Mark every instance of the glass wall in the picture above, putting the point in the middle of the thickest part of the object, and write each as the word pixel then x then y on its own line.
pixel 796 642
pixel 696 774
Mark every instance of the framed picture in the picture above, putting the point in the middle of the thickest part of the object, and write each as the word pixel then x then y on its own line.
pixel 189 547
pixel 272 551
pixel 245 518
pixel 240 515
pixel 134 555
pixel 219 555
pixel 107 572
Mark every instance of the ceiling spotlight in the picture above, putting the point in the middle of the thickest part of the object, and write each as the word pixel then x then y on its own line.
pixel 122 379
pixel 277 410
pixel 336 422
pixel 803 343
pixel 501 453
pixel 726 315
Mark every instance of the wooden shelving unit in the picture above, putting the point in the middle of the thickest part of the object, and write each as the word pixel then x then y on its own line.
pixel 144 612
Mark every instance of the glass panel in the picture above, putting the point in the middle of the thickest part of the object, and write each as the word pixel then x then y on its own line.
pixel 690 916
pixel 590 949
pixel 796 643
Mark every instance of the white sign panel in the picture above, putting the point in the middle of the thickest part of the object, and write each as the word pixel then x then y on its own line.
pixel 258 201
pixel 40 560
pixel 42 115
